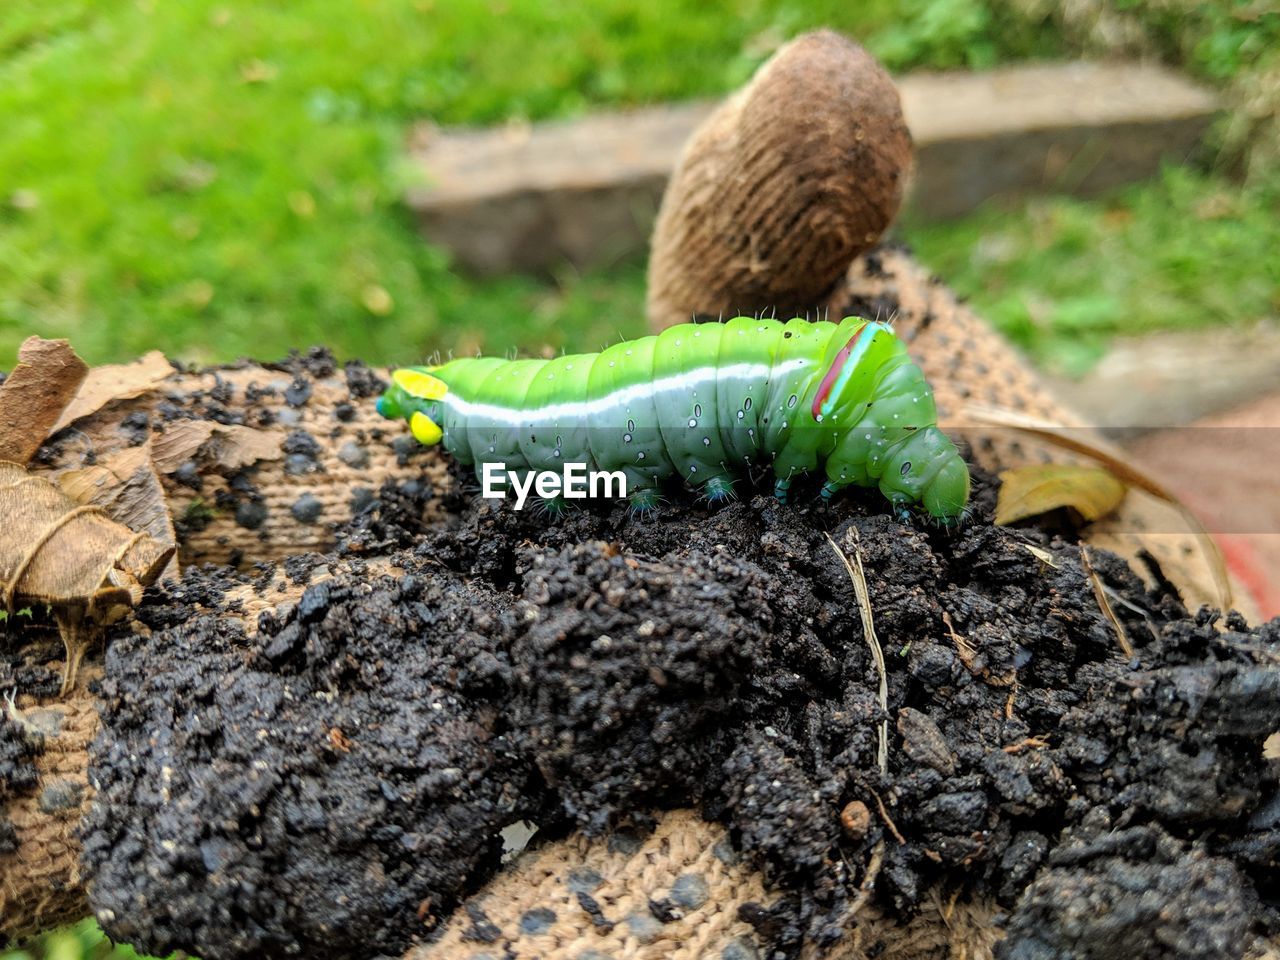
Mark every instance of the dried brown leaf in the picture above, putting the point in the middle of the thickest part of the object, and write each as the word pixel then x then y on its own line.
pixel 180 442
pixel 122 381
pixel 86 567
pixel 36 392
pixel 1038 489
pixel 125 485
pixel 225 446
pixel 235 446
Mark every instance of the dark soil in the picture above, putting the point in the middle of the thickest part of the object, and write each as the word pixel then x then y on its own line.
pixel 335 784
pixel 17 772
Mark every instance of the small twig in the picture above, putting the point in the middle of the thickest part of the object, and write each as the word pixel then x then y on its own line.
pixel 961 643
pixel 1133 608
pixel 859 578
pixel 1027 743
pixel 949 911
pixel 1104 604
pixel 865 889
pixel 888 820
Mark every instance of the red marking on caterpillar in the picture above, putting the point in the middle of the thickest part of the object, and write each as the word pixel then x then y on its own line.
pixel 829 381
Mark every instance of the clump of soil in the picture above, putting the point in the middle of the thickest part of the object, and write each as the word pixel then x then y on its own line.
pixel 337 781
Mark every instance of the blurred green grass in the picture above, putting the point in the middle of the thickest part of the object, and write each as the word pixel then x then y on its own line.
pixel 83 941
pixel 217 179
pixel 1063 277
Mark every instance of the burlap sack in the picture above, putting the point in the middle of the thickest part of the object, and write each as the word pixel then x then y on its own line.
pixel 551 903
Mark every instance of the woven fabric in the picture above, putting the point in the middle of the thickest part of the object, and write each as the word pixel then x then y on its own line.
pixel 584 900
pixel 353 451
pixel 40 882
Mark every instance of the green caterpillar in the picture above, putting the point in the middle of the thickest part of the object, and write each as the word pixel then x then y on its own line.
pixel 704 402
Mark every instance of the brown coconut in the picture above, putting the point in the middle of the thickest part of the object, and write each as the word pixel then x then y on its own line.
pixel 781 187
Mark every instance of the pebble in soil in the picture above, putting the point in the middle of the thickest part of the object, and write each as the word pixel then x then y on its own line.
pixel 339 778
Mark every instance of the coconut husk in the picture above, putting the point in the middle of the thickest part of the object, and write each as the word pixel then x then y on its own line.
pixel 781 187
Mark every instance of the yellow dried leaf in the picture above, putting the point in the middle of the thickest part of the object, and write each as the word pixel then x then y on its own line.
pixel 1031 491
pixel 1044 556
pixel 1183 571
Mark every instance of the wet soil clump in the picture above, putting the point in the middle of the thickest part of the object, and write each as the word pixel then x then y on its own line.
pixel 336 780
pixel 326 784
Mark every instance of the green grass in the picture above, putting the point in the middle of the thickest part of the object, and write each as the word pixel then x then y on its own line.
pixel 84 941
pixel 1191 249
pixel 1062 277
pixel 222 179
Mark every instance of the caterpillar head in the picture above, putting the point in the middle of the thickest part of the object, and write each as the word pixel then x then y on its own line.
pixel 415 395
pixel 947 495
pixel 861 346
pixel 928 470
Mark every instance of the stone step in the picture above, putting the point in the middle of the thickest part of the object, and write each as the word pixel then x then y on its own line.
pixel 1224 468
pixel 1174 378
pixel 531 197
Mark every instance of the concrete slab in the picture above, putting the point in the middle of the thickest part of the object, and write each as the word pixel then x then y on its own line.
pixel 1077 128
pixel 524 197
pixel 1171 379
pixel 1227 470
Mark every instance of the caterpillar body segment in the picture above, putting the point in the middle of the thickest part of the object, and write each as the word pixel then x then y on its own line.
pixel 703 402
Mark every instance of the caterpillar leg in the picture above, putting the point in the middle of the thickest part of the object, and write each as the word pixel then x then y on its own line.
pixel 780 488
pixel 719 489
pixel 553 508
pixel 644 502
